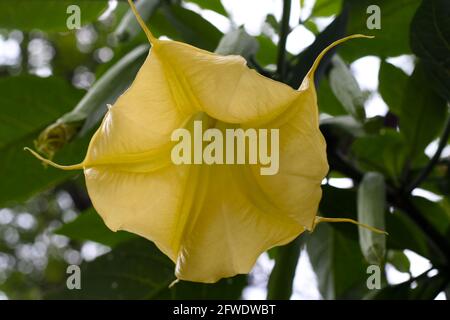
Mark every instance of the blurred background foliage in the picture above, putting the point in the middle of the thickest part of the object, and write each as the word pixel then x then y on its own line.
pixel 393 166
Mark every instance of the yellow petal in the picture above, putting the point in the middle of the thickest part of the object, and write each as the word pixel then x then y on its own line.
pixel 213 221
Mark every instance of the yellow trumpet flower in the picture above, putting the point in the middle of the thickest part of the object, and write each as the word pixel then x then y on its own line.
pixel 212 220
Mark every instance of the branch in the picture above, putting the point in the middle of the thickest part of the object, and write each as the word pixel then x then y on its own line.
pixel 433 161
pixel 284 31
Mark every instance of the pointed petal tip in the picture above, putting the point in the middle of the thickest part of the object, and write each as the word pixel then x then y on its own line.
pixel 53 164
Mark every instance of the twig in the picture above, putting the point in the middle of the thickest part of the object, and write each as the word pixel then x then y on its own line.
pixel 284 31
pixel 433 161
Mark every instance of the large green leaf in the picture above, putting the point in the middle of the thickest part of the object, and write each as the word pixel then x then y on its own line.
pixel 23 175
pixel 136 269
pixel 337 261
pixel 405 234
pixel 434 212
pixel 391 39
pixel 430 40
pixel 47 15
pixel 392 86
pixel 423 113
pixel 385 153
pixel 90 226
pixel 26 107
pixel 179 23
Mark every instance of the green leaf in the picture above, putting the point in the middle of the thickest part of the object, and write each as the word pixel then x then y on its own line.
pixel 405 234
pixel 23 175
pixel 371 210
pixel 267 53
pixel 238 42
pixel 430 41
pixel 136 269
pixel 399 260
pixel 326 8
pixel 346 88
pixel 392 86
pixel 46 15
pixel 214 5
pixel 26 107
pixel 327 101
pixel 391 40
pixel 129 27
pixel 434 212
pixel 423 113
pixel 337 262
pixel 179 23
pixel 90 226
pixel 282 275
pixel 385 153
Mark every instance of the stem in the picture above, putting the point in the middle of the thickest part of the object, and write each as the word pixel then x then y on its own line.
pixel 284 31
pixel 282 276
pixel 433 161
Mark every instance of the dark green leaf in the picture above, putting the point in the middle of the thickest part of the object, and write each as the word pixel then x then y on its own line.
pixel 267 53
pixel 385 153
pixel 180 23
pixel 391 40
pixel 90 226
pixel 337 261
pixel 282 275
pixel 392 86
pixel 423 113
pixel 434 212
pixel 430 40
pixel 26 108
pixel 47 15
pixel 405 234
pixel 136 269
